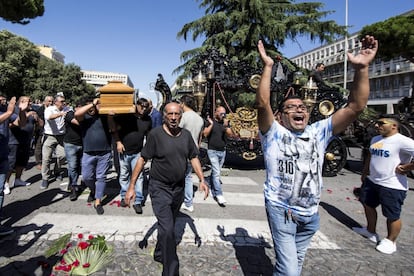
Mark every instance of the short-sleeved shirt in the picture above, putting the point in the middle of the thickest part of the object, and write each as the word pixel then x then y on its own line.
pixel 294 165
pixel 4 136
pixel 73 133
pixel 132 131
pixel 54 126
pixel 95 134
pixel 156 117
pixel 169 155
pixel 386 154
pixel 193 123
pixel 22 135
pixel 217 138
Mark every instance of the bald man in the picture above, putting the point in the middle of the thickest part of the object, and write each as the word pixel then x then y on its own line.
pixel 170 147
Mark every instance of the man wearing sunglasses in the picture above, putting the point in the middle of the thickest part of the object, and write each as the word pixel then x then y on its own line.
pixel 294 155
pixel 385 181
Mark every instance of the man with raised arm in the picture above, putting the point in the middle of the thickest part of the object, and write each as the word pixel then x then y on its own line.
pixel 294 155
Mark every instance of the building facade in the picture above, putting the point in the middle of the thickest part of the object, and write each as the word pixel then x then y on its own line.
pixel 99 79
pixel 390 81
pixel 51 53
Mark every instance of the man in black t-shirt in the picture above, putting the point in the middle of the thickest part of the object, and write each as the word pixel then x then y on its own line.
pixel 72 142
pixel 170 147
pixel 97 155
pixel 217 131
pixel 129 132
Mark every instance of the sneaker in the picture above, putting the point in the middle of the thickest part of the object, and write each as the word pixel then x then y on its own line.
pixel 73 194
pixel 386 246
pixel 6 189
pixel 19 182
pixel 44 184
pixel 99 209
pixel 187 208
pixel 365 233
pixel 123 203
pixel 221 200
pixel 4 230
pixel 137 208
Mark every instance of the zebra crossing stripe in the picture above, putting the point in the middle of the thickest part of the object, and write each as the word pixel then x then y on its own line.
pixel 254 231
pixel 134 228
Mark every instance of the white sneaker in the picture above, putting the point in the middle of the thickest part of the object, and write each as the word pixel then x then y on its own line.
pixel 386 246
pixel 221 199
pixel 19 182
pixel 6 189
pixel 187 208
pixel 364 232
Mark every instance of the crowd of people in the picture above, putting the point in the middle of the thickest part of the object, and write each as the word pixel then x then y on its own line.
pixel 293 153
pixel 77 141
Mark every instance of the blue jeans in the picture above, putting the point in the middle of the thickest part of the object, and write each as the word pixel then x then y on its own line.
pixel 189 190
pixel 291 235
pixel 73 155
pixel 216 160
pixel 94 170
pixel 127 164
pixel 4 168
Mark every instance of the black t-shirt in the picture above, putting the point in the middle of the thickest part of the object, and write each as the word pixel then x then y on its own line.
pixel 169 155
pixel 217 138
pixel 41 112
pixel 132 131
pixel 95 134
pixel 73 133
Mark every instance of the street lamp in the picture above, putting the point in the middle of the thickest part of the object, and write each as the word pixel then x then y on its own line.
pixel 187 86
pixel 310 94
pixel 199 91
pixel 210 84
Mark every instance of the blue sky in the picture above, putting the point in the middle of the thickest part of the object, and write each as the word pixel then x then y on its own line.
pixel 139 38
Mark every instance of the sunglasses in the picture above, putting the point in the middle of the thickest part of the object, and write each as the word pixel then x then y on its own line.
pixel 381 123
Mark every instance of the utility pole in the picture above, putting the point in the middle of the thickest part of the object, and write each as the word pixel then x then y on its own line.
pixel 346 45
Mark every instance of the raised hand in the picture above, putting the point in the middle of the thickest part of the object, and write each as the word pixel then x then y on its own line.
pixel 11 105
pixel 366 54
pixel 268 61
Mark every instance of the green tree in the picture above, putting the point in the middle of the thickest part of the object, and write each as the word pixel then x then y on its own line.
pixel 52 77
pixel 395 36
pixel 234 27
pixel 18 61
pixel 23 71
pixel 19 11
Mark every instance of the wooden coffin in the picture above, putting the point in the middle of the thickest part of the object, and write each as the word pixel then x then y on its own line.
pixel 116 97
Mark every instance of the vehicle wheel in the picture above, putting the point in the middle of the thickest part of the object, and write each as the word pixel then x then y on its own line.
pixel 335 157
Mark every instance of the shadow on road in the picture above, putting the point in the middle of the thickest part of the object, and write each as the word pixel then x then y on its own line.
pixel 15 211
pixel 12 245
pixel 250 251
pixel 182 221
pixel 339 215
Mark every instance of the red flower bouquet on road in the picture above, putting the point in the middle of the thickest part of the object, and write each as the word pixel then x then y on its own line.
pixel 83 257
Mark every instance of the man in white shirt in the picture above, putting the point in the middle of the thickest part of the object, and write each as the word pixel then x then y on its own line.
pixel 385 181
pixel 54 130
pixel 195 124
